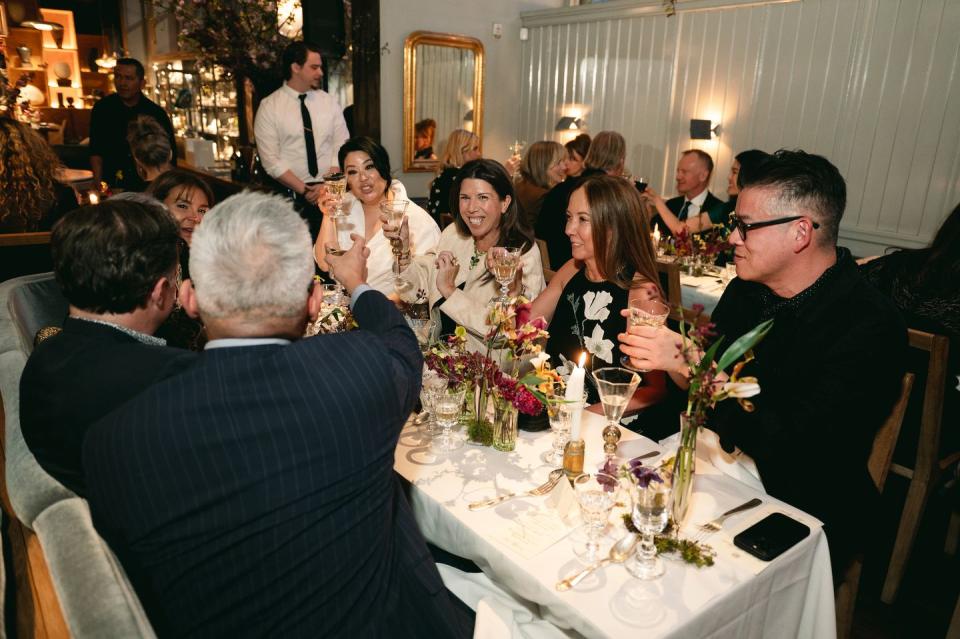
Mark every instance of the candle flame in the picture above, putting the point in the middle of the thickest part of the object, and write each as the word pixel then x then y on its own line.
pixel 583 359
pixel 94 198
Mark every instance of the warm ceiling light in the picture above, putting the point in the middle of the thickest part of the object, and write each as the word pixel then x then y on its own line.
pixel 106 61
pixel 569 123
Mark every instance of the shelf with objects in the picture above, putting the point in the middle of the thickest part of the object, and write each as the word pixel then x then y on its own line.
pixel 202 105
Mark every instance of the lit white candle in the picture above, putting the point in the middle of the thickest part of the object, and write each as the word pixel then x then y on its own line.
pixel 575 394
pixel 656 235
pixel 93 197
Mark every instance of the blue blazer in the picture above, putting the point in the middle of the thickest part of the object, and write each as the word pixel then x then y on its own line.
pixel 254 494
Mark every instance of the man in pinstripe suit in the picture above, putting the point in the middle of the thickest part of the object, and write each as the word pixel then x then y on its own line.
pixel 254 494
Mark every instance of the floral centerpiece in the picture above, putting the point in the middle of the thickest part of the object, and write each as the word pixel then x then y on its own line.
pixel 514 337
pixel 698 249
pixel 706 391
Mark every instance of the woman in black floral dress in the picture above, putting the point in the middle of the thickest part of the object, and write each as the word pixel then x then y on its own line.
pixel 613 263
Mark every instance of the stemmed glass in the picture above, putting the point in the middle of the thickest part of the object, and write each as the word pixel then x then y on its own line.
pixel 645 312
pixel 516 149
pixel 433 387
pixel 505 262
pixel 651 510
pixel 616 387
pixel 447 408
pixel 423 328
pixel 596 494
pixel 394 210
pixel 560 414
pixel 336 185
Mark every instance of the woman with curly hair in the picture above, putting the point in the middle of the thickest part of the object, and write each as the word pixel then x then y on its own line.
pixel 31 199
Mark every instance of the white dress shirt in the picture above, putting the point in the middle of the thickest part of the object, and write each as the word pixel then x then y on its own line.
pixel 696 204
pixel 279 132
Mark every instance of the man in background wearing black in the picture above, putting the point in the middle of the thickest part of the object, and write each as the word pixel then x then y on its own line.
pixel 110 156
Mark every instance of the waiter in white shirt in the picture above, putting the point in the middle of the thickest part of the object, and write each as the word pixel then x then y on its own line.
pixel 300 128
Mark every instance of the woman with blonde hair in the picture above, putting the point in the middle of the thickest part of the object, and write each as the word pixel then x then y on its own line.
pixel 31 198
pixel 462 146
pixel 543 167
pixel 612 264
pixel 150 147
pixel 606 156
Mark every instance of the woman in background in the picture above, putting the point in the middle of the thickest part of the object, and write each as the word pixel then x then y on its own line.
pixel 150 147
pixel 543 167
pixel 188 198
pixel 462 147
pixel 577 150
pixel 423 132
pixel 31 198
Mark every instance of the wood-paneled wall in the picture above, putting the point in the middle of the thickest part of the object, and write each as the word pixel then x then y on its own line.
pixel 871 84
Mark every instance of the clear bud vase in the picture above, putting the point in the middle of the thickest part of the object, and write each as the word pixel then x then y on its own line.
pixel 684 466
pixel 504 424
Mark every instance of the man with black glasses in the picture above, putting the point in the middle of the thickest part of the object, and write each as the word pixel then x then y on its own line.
pixel 829 369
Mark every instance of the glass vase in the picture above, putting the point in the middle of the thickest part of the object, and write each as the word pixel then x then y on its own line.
pixel 684 466
pixel 478 425
pixel 697 267
pixel 504 424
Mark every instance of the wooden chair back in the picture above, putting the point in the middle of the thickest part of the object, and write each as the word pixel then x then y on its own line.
pixel 545 260
pixel 670 283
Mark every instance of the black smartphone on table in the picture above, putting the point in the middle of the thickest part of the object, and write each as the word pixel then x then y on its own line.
pixel 771 536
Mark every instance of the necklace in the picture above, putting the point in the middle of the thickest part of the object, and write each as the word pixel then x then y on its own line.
pixel 477 254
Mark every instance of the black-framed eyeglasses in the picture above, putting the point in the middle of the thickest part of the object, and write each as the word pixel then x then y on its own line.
pixel 743 227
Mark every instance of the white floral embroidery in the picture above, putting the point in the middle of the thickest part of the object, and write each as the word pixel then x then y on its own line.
pixel 565 368
pixel 599 347
pixel 596 304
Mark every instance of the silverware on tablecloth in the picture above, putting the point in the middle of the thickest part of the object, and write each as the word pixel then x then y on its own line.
pixel 618 554
pixel 542 489
pixel 715 525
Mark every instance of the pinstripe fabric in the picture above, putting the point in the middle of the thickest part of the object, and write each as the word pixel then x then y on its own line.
pixel 254 494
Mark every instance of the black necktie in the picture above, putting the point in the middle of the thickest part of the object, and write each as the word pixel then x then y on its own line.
pixel 308 137
pixel 683 211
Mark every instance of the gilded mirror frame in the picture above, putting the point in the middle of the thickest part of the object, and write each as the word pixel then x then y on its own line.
pixel 410 90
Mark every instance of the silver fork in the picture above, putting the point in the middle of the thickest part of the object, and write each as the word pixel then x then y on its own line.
pixel 542 489
pixel 715 525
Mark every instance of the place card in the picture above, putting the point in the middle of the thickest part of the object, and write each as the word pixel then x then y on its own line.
pixel 532 532
pixel 563 500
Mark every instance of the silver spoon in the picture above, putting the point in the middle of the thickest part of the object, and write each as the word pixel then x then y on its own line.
pixel 618 554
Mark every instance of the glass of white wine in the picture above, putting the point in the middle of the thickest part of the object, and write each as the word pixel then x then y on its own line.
pixel 645 312
pixel 447 406
pixel 615 387
pixel 336 185
pixel 505 262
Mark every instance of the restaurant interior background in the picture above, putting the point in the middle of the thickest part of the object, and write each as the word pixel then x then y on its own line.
pixel 871 84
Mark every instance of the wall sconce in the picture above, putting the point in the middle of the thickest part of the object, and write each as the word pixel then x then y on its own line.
pixel 702 129
pixel 569 123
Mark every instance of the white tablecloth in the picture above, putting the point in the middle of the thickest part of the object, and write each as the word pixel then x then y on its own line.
pixel 705 290
pixel 738 597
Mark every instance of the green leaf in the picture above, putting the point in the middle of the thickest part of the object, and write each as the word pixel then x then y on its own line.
pixel 744 343
pixel 532 379
pixel 708 357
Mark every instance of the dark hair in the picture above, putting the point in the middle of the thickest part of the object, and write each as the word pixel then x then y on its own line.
pixel 804 183
pixel 107 258
pixel 938 265
pixel 297 52
pixel 621 234
pixel 378 154
pixel 513 230
pixel 426 127
pixel 580 144
pixel 133 62
pixel 149 142
pixel 749 161
pixel 179 179
pixel 703 156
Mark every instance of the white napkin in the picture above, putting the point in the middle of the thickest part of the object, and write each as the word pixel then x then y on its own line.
pixel 563 500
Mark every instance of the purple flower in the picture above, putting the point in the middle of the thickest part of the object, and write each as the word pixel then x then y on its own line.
pixel 643 475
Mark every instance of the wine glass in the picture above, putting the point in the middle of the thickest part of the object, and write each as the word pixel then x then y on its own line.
pixel 505 262
pixel 651 510
pixel 516 150
pixel 336 185
pixel 433 386
pixel 447 408
pixel 616 387
pixel 394 211
pixel 596 494
pixel 641 184
pixel 560 415
pixel 645 312
pixel 423 328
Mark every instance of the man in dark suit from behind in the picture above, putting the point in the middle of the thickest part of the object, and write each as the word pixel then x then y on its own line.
pixel 691 207
pixel 116 264
pixel 254 494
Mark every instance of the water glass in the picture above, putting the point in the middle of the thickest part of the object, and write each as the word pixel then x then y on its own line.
pixel 651 510
pixel 596 495
pixel 447 407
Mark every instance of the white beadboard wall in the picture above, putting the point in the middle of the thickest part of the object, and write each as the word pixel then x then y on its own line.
pixel 873 85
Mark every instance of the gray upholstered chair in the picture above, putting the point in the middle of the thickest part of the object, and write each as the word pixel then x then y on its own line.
pixel 69 582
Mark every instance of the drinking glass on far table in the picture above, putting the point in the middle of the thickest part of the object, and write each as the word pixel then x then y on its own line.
pixel 596 494
pixel 729 272
pixel 447 407
pixel 645 312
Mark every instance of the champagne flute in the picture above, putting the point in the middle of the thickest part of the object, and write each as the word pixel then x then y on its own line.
pixel 615 386
pixel 596 494
pixel 336 185
pixel 505 262
pixel 394 211
pixel 645 312
pixel 516 149
pixel 447 407
pixel 651 510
